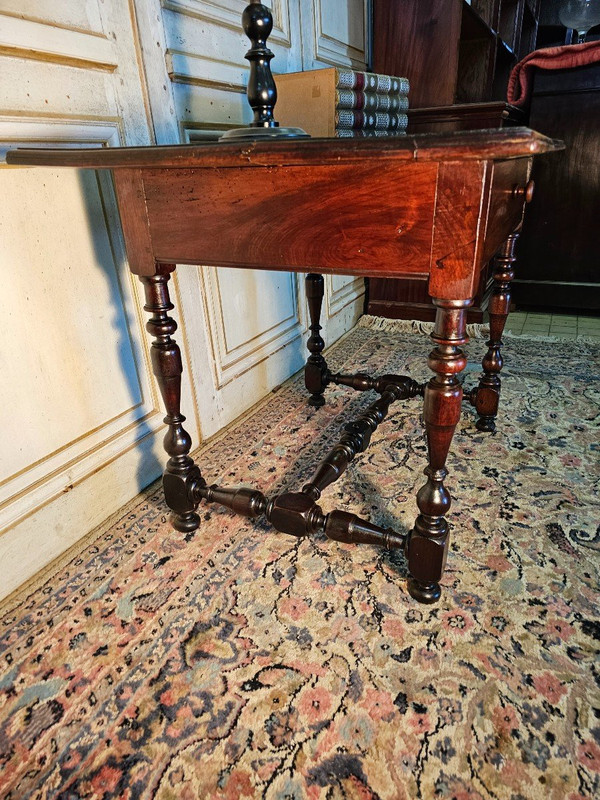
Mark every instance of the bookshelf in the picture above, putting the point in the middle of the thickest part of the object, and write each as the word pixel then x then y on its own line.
pixel 455 54
pixel 453 51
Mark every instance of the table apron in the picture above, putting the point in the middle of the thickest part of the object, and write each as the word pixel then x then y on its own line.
pixel 348 219
pixel 441 219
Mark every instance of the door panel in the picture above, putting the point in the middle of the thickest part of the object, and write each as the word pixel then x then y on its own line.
pixel 70 361
pixel 84 392
pixel 84 431
pixel 336 33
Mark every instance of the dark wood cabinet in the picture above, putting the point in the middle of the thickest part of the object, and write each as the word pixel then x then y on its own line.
pixel 560 246
pixel 453 51
pixel 458 57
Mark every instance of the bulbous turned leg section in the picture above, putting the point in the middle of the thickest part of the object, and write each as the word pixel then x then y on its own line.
pixel 316 374
pixel 181 476
pixel 427 545
pixel 486 398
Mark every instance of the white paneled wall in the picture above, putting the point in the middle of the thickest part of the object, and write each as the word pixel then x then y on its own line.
pixel 82 425
pixel 80 434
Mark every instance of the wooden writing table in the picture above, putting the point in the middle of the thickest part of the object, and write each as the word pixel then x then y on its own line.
pixel 430 205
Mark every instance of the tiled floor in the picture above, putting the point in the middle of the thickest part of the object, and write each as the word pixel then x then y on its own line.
pixel 562 325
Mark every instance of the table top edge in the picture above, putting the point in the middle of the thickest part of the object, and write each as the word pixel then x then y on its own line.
pixel 495 144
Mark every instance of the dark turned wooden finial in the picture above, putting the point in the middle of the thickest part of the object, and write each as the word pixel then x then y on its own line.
pixel 257 22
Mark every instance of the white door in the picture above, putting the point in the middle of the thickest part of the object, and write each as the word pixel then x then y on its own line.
pixel 81 420
pixel 81 428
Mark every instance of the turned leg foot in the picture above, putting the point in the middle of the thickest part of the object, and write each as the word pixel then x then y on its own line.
pixel 316 374
pixel 181 476
pixel 486 397
pixel 424 592
pixel 179 482
pixel 427 546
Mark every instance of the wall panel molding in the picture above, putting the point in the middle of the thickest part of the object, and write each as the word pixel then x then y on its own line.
pixel 29 489
pixel 28 38
pixel 200 71
pixel 337 298
pixel 231 360
pixel 46 131
pixel 203 131
pixel 228 14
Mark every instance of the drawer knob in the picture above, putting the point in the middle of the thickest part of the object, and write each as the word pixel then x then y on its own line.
pixel 525 192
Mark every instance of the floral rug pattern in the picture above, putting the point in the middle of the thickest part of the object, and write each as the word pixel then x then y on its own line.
pixel 241 663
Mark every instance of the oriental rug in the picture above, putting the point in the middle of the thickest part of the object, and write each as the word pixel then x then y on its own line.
pixel 241 663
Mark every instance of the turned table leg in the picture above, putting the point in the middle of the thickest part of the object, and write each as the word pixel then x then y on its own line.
pixel 181 476
pixel 316 374
pixel 486 397
pixel 428 541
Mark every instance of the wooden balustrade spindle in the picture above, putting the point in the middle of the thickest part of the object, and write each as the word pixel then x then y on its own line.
pixel 357 435
pixel 241 500
pixel 363 383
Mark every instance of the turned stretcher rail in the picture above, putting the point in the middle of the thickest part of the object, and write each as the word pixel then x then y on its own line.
pixel 297 513
pixel 357 434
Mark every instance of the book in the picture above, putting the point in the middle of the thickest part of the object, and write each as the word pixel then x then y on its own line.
pixel 369 81
pixel 357 120
pixel 311 100
pixel 370 101
pixel 348 133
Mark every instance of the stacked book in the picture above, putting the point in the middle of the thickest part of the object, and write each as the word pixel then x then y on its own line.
pixel 342 102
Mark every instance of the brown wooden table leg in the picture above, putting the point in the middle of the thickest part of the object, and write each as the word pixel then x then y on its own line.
pixel 428 541
pixel 486 397
pixel 182 475
pixel 316 374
